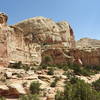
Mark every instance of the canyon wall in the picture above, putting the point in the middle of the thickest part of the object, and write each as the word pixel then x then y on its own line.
pixel 14 47
pixel 52 36
pixel 45 31
pixel 38 39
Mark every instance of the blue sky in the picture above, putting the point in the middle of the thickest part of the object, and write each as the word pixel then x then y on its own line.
pixel 83 15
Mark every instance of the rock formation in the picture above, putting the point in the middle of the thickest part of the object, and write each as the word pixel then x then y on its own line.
pixel 86 57
pixel 38 41
pixel 88 51
pixel 47 32
pixel 33 40
pixel 88 43
pixel 14 47
pixel 53 37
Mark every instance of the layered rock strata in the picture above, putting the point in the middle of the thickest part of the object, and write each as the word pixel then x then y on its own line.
pixel 32 40
pixel 45 31
pixel 53 37
pixel 14 47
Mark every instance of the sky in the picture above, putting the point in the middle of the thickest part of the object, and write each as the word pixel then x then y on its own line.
pixel 82 15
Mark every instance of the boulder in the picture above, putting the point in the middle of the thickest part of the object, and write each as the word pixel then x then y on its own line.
pixel 4 90
pixel 8 75
pixel 16 89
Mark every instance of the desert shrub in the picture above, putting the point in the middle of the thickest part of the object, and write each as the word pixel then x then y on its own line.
pixel 59 96
pixel 65 67
pixel 78 90
pixel 94 68
pixel 25 67
pixel 19 65
pixel 35 87
pixel 44 66
pixel 76 68
pixel 3 79
pixel 53 84
pixel 81 70
pixel 50 71
pixel 47 59
pixel 29 97
pixel 96 85
pixel 2 98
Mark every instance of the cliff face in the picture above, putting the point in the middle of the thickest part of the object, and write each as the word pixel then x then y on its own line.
pixel 25 40
pixel 87 57
pixel 88 51
pixel 45 31
pixel 34 40
pixel 53 37
pixel 14 47
pixel 88 43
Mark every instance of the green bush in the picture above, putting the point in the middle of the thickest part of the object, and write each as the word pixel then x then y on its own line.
pixel 25 67
pixel 81 70
pixel 50 71
pixel 78 90
pixel 29 97
pixel 59 96
pixel 96 85
pixel 2 98
pixel 44 66
pixel 94 68
pixel 47 59
pixel 19 65
pixel 35 87
pixel 53 84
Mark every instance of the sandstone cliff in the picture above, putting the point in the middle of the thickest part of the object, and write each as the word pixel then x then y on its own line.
pixel 53 37
pixel 14 47
pixel 32 38
pixel 88 43
pixel 88 51
pixel 47 32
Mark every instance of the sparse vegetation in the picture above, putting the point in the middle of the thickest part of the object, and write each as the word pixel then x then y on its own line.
pixel 96 85
pixel 19 65
pixel 77 89
pixel 78 69
pixel 29 97
pixel 35 87
pixel 2 98
pixel 47 59
pixel 53 84
pixel 59 95
pixel 43 66
pixel 51 71
pixel 3 79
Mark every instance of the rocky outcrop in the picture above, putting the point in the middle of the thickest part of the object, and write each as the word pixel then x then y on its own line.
pixel 39 39
pixel 55 56
pixel 88 51
pixel 53 37
pixel 86 43
pixel 19 82
pixel 14 47
pixel 45 31
pixel 25 40
pixel 87 57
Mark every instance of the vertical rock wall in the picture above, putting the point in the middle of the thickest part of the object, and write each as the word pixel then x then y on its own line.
pixel 14 47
